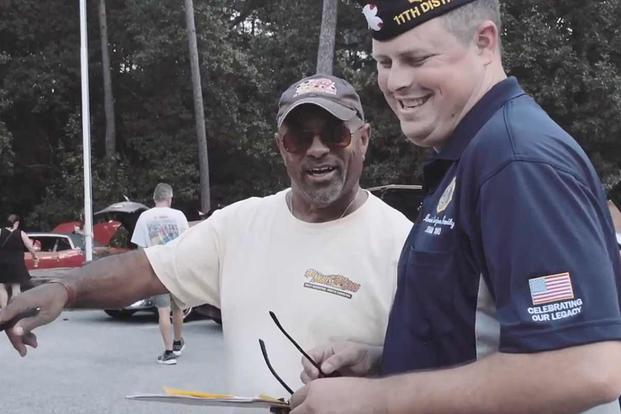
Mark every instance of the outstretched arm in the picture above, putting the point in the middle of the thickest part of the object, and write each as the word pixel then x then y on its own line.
pixel 111 282
pixel 564 381
pixel 115 281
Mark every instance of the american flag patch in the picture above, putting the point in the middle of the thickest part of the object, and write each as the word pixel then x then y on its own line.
pixel 551 288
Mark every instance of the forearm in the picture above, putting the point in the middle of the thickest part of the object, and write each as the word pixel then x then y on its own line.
pixel 28 243
pixel 114 281
pixel 375 359
pixel 565 381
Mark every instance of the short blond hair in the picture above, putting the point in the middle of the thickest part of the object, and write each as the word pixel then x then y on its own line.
pixel 463 21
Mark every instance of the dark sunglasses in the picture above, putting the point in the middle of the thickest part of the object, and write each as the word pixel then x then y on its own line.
pixel 334 135
pixel 299 348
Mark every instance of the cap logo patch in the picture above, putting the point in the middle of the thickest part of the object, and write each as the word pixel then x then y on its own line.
pixel 370 12
pixel 319 85
pixel 390 18
pixel 551 288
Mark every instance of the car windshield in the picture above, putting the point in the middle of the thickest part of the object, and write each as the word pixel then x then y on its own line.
pixel 79 241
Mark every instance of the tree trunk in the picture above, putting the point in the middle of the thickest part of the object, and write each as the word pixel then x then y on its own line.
pixel 199 113
pixel 110 141
pixel 325 52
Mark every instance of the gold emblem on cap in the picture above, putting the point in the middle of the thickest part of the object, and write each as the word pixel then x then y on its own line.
pixel 413 13
pixel 447 196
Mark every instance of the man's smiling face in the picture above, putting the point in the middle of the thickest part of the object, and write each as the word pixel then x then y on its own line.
pixel 322 175
pixel 430 79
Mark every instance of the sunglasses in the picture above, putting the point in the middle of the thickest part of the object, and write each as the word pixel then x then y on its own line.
pixel 299 348
pixel 334 135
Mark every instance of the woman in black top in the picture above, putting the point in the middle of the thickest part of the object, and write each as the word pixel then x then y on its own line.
pixel 13 270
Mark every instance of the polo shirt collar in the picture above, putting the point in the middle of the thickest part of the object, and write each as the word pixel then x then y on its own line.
pixel 480 113
pixel 437 164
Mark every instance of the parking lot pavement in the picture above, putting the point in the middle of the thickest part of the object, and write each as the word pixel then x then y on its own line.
pixel 87 363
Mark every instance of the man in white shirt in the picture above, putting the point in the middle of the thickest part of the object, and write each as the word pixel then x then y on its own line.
pixel 322 255
pixel 158 226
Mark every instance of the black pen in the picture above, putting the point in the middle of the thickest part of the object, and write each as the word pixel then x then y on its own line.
pixel 28 313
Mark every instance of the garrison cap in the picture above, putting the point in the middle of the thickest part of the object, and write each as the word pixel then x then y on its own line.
pixel 390 18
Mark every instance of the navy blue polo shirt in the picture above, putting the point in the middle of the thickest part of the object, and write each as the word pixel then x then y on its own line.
pixel 514 248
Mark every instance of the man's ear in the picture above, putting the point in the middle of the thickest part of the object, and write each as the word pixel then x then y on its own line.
pixel 487 40
pixel 365 138
pixel 278 142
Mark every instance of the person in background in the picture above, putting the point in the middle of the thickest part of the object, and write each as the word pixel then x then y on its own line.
pixel 509 283
pixel 321 255
pixel 156 226
pixel 13 271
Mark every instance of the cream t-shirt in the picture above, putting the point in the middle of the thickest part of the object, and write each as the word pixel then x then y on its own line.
pixel 324 281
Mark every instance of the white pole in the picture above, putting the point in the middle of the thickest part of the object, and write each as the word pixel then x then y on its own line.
pixel 86 135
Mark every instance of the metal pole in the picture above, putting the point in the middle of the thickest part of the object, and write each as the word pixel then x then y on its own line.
pixel 86 135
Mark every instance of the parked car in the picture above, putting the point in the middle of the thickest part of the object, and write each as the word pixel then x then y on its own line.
pixel 406 198
pixel 62 250
pixel 55 250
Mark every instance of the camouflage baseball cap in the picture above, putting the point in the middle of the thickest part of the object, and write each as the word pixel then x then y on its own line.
pixel 333 94
pixel 390 18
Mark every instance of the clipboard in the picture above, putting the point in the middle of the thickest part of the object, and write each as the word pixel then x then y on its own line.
pixel 178 396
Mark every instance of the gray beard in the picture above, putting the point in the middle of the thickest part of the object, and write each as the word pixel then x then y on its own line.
pixel 324 196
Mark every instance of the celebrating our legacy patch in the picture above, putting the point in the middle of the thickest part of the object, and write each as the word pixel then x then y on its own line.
pixel 553 298
pixel 551 288
pixel 390 18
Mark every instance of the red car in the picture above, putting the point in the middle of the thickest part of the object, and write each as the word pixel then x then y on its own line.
pixel 63 250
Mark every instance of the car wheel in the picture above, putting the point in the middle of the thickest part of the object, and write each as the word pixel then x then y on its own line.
pixel 210 312
pixel 119 314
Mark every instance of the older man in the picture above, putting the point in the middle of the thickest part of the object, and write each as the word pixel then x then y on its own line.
pixel 508 296
pixel 322 255
pixel 160 225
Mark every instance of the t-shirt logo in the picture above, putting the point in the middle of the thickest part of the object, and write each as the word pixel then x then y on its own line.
pixel 162 232
pixel 335 284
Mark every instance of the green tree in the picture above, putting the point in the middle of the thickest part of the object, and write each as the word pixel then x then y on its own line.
pixel 564 53
pixel 567 54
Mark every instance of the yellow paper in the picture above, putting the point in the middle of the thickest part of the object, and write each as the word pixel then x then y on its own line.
pixel 197 394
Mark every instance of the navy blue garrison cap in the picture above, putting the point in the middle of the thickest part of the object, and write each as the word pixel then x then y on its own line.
pixel 390 18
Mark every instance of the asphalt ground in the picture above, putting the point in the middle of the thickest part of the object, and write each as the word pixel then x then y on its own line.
pixel 87 363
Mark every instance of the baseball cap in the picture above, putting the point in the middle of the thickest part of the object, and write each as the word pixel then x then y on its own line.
pixel 333 94
pixel 390 18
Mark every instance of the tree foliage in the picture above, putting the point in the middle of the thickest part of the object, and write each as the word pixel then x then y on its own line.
pixel 565 53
